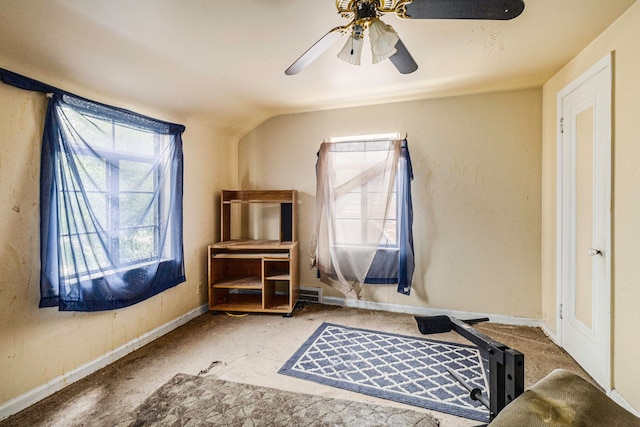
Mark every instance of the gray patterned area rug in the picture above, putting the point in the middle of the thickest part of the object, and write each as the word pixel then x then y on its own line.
pixel 394 367
pixel 187 400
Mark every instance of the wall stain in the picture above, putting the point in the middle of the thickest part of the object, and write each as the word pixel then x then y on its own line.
pixel 28 284
pixel 494 42
pixel 12 266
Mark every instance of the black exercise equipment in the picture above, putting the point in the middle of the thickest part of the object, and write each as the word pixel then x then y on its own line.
pixel 506 365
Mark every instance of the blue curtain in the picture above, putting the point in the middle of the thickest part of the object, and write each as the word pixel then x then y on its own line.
pixel 111 189
pixel 397 266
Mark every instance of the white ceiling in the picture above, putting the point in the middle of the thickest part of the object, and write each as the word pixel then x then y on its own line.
pixel 224 62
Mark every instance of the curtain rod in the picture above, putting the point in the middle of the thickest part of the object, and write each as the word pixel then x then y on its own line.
pixel 367 138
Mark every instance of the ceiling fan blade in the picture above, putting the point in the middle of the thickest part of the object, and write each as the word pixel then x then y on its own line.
pixel 316 50
pixel 465 9
pixel 403 60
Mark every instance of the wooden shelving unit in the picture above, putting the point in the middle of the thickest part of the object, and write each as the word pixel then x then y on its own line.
pixel 251 275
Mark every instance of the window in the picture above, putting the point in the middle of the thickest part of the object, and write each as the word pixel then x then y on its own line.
pixel 111 198
pixel 118 175
pixel 364 214
pixel 110 203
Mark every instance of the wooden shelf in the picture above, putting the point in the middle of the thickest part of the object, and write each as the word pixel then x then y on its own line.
pixel 248 255
pixel 257 196
pixel 278 303
pixel 284 276
pixel 251 282
pixel 263 248
pixel 240 303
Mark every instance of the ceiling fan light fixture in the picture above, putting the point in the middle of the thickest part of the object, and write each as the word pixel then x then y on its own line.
pixel 352 50
pixel 379 58
pixel 383 40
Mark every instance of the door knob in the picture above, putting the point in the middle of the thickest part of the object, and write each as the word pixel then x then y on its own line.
pixel 594 252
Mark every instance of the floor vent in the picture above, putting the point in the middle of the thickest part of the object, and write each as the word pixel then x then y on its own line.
pixel 310 294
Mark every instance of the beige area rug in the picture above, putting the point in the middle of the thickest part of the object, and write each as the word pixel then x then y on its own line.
pixel 187 400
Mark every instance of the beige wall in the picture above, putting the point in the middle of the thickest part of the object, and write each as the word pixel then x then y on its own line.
pixel 39 345
pixel 476 193
pixel 621 38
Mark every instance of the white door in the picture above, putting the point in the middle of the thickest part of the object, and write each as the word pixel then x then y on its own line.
pixel 584 220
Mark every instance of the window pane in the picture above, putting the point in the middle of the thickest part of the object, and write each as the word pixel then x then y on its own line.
pixel 86 131
pixel 350 206
pixel 66 221
pixel 96 255
pixel 93 173
pixel 80 219
pixel 98 204
pixel 137 244
pixel 348 231
pixel 136 176
pixel 137 209
pixel 390 235
pixel 134 141
pixel 378 146
pixel 346 173
pixel 374 228
pixel 377 203
pixel 378 184
pixel 91 249
pixel 67 256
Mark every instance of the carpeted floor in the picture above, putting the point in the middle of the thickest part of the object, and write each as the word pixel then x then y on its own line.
pixel 188 400
pixel 251 350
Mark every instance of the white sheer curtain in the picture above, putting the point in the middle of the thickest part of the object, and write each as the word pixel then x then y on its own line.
pixel 355 188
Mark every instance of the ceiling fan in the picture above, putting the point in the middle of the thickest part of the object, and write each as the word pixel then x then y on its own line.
pixel 385 43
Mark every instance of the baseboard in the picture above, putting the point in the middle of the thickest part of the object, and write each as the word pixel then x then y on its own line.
pixel 27 399
pixel 427 311
pixel 622 402
pixel 549 333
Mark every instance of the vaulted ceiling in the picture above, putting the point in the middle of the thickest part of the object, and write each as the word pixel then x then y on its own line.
pixel 224 61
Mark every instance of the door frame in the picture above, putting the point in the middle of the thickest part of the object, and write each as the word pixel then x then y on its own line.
pixel 604 65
